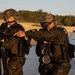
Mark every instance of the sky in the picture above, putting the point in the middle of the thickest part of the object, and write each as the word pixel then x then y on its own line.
pixel 57 7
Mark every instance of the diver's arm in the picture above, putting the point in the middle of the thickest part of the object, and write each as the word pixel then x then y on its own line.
pixel 41 35
pixel 37 35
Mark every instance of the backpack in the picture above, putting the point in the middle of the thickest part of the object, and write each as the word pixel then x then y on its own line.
pixel 71 50
pixel 70 46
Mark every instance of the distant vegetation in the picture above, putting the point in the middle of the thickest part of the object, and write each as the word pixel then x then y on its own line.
pixel 38 25
pixel 34 16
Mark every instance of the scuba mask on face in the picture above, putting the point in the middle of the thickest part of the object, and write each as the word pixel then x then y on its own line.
pixel 46 20
pixel 45 25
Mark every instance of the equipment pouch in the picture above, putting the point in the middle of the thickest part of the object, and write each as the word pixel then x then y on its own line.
pixel 58 52
pixel 25 46
pixel 71 51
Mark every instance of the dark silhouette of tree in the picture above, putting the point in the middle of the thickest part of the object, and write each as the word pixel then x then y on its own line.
pixel 68 20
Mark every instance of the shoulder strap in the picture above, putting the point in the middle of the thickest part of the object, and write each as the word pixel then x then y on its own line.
pixel 62 29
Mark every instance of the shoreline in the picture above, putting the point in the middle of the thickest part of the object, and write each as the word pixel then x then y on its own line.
pixel 28 26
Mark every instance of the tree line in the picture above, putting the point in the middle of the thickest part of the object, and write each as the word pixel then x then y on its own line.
pixel 34 16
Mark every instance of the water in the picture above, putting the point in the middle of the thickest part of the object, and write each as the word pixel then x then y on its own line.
pixel 72 41
pixel 32 63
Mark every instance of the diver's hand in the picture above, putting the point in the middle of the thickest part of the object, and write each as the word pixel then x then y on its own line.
pixel 45 42
pixel 20 33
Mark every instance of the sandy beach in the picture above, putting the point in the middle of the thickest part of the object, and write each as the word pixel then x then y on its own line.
pixel 29 26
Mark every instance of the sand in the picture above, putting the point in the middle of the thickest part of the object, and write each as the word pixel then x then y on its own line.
pixel 29 26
